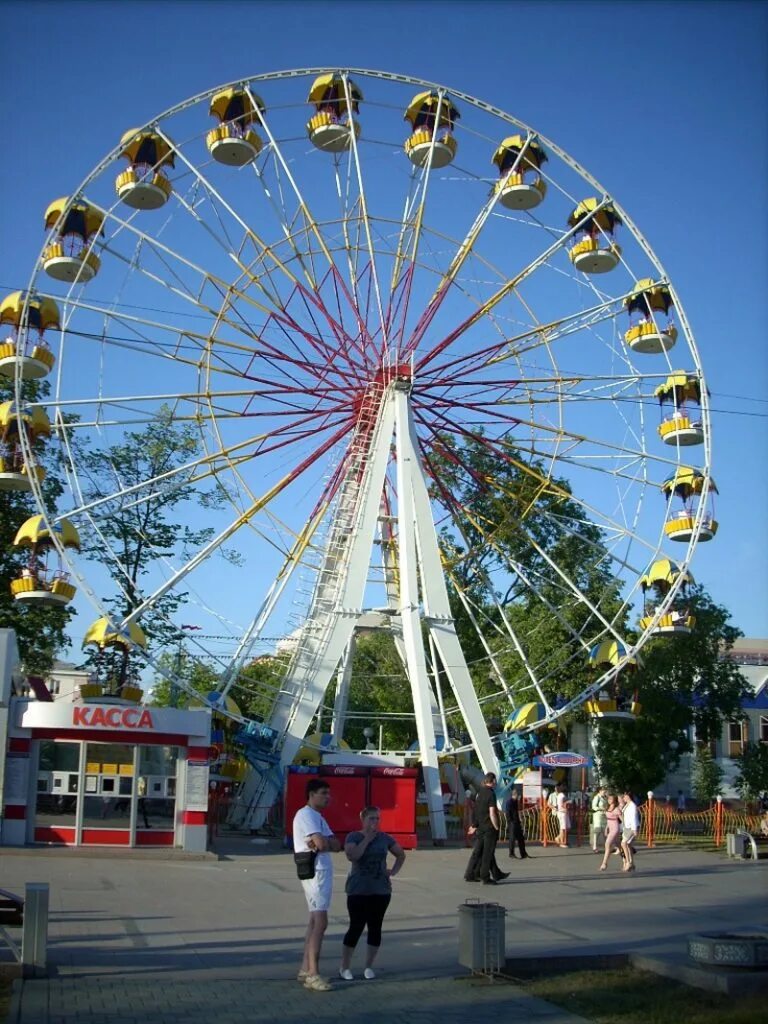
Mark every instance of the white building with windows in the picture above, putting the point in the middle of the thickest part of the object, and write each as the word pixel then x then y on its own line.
pixel 751 655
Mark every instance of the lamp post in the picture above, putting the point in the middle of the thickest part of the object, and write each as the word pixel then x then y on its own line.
pixel 650 820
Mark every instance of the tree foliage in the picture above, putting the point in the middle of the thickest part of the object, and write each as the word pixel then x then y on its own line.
pixel 752 779
pixel 147 503
pixel 520 547
pixel 685 684
pixel 40 631
pixel 706 776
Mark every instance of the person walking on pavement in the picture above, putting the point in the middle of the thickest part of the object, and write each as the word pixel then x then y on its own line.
pixel 630 817
pixel 515 825
pixel 471 873
pixel 487 827
pixel 312 834
pixel 563 817
pixel 612 830
pixel 368 888
pixel 598 823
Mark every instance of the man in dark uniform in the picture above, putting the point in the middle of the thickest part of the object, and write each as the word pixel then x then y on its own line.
pixel 515 825
pixel 487 816
pixel 473 867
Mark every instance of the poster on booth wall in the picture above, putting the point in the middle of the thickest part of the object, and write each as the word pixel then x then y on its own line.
pixel 16 778
pixel 196 789
pixel 531 783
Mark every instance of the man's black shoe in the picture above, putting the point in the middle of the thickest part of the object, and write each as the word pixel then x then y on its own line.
pixel 513 855
pixel 524 856
pixel 490 881
pixel 501 874
pixel 471 879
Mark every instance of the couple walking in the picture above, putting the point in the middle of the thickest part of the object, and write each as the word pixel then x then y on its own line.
pixel 620 821
pixel 368 886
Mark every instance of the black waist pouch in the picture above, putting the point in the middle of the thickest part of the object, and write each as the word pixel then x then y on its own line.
pixel 305 864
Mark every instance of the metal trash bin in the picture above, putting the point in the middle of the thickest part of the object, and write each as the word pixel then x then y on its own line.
pixel 482 946
pixel 736 845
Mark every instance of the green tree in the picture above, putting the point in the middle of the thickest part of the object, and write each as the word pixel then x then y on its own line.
pixel 752 779
pixel 685 683
pixel 40 631
pixel 380 688
pixel 196 674
pixel 706 776
pixel 142 513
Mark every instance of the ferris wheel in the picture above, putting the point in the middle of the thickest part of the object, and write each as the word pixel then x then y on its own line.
pixel 417 348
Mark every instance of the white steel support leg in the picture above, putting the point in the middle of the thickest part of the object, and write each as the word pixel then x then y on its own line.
pixel 305 688
pixel 437 609
pixel 343 679
pixel 336 607
pixel 410 613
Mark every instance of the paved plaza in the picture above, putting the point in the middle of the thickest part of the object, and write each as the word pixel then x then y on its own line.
pixel 170 940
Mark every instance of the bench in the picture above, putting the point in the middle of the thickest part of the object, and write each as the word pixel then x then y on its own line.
pixel 757 843
pixel 693 828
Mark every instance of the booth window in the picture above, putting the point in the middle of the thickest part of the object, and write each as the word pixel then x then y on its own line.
pixel 157 788
pixel 108 785
pixel 57 778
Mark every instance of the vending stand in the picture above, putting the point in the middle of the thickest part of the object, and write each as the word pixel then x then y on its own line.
pixel 353 787
pixel 107 773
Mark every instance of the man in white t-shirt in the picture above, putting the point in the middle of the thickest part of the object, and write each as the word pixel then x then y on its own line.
pixel 630 819
pixel 312 832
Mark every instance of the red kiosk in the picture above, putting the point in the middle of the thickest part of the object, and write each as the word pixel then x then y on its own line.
pixel 353 787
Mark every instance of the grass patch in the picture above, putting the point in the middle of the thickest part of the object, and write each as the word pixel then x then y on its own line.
pixel 629 996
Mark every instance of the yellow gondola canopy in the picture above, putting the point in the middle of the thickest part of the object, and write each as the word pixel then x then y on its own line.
pixel 664 573
pixel 104 634
pixel 509 149
pixel 34 531
pixel 649 297
pixel 524 716
pixel 606 218
pixel 43 312
pixel 237 105
pixel 215 700
pixel 35 418
pixel 146 147
pixel 680 385
pixel 610 652
pixel 80 219
pixel 686 480
pixel 329 89
pixel 423 108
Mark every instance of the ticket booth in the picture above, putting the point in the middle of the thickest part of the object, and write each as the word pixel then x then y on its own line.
pixel 106 773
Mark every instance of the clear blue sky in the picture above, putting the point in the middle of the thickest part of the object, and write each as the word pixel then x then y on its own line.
pixel 655 99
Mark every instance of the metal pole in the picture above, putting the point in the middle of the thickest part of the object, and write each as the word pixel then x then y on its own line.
pixel 34 938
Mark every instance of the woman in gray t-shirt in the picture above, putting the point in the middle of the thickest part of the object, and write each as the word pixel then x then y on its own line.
pixel 368 888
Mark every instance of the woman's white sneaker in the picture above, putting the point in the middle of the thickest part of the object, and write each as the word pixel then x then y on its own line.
pixel 345 974
pixel 369 974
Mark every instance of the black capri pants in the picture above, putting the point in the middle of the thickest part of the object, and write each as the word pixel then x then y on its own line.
pixel 366 911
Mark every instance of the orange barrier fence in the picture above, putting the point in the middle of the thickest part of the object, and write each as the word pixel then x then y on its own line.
pixel 660 824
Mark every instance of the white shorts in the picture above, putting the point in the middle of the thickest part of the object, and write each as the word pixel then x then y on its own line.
pixel 318 890
pixel 564 820
pixel 628 836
